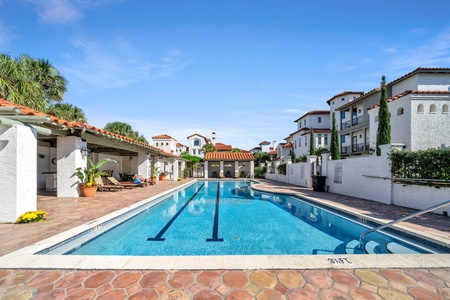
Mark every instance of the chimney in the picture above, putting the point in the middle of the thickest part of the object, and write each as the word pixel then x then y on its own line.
pixel 213 138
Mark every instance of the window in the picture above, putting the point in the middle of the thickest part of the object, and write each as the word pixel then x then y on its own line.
pixel 342 139
pixel 420 108
pixel 325 139
pixel 343 99
pixel 295 144
pixel 432 108
pixel 304 122
pixel 342 115
pixel 197 142
pixel 445 109
pixel 156 144
pixel 332 102
pixel 319 119
pixel 319 139
pixel 306 141
pixel 193 151
pixel 400 111
pixel 167 144
pixel 299 142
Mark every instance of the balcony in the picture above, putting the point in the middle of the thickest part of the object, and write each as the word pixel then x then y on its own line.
pixel 355 149
pixel 355 121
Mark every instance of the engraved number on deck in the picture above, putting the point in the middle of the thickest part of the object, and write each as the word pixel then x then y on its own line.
pixel 340 260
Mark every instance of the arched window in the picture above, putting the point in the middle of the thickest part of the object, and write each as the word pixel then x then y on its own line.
pixel 445 109
pixel 420 108
pixel 400 111
pixel 156 144
pixel 432 108
pixel 197 142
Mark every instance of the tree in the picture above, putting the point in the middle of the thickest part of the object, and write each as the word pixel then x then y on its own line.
pixel 312 149
pixel 30 82
pixel 335 152
pixel 236 150
pixel 261 158
pixel 67 111
pixel 125 130
pixel 208 147
pixel 293 157
pixel 384 119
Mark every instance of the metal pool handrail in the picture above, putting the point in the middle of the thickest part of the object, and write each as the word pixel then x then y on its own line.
pixel 361 237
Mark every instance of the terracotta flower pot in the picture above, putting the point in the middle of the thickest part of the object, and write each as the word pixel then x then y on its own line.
pixel 88 191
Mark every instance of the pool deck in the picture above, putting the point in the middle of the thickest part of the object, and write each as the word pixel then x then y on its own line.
pixel 327 277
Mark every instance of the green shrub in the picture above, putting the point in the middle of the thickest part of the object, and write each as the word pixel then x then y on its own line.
pixel 431 164
pixel 259 172
pixel 282 169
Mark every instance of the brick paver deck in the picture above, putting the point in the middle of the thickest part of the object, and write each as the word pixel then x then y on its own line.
pixel 66 213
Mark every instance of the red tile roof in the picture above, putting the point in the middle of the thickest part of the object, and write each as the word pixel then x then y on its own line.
pixel 393 98
pixel 223 147
pixel 228 156
pixel 162 137
pixel 419 70
pixel 79 125
pixel 206 139
pixel 344 93
pixel 286 145
pixel 359 98
pixel 315 112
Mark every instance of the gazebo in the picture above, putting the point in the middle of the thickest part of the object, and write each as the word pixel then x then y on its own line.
pixel 229 164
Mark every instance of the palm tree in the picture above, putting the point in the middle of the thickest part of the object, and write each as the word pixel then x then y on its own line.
pixel 30 82
pixel 67 111
pixel 125 130
pixel 209 148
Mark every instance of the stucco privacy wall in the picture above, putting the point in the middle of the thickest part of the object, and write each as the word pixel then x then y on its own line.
pixel 17 165
pixel 296 174
pixel 361 177
pixel 420 197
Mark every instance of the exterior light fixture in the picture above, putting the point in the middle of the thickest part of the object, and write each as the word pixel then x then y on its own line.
pixel 371 151
pixel 84 151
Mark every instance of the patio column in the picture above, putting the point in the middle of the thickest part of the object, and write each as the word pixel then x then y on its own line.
pixel 143 165
pixel 252 169
pixel 157 163
pixel 175 168
pixel 206 169
pixel 236 169
pixel 18 161
pixel 69 157
pixel 221 169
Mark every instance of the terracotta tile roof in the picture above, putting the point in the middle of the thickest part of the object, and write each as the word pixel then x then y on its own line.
pixel 206 139
pixel 273 152
pixel 287 145
pixel 419 70
pixel 265 143
pixel 180 145
pixel 369 93
pixel 343 94
pixel 162 137
pixel 78 125
pixel 393 98
pixel 228 156
pixel 223 147
pixel 314 112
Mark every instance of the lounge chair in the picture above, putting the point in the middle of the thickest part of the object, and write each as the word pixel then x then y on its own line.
pixel 102 186
pixel 214 174
pixel 114 181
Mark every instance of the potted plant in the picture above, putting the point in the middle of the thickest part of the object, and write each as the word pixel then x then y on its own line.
pixel 162 176
pixel 87 176
pixel 154 172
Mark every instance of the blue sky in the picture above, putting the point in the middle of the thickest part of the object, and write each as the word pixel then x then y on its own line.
pixel 244 69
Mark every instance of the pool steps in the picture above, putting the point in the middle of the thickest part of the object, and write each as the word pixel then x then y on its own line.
pixel 377 247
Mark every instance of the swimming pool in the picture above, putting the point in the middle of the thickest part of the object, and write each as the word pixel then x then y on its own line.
pixel 228 218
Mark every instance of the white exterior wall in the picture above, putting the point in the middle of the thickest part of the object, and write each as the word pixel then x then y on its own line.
pixel 43 165
pixel 69 158
pixel 407 84
pixel 18 160
pixel 429 130
pixel 423 82
pixel 420 197
pixel 196 148
pixel 168 145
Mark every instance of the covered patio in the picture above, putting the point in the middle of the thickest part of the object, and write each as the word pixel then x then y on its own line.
pixel 229 164
pixel 41 152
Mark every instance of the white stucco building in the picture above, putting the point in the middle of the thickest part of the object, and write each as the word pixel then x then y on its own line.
pixel 195 144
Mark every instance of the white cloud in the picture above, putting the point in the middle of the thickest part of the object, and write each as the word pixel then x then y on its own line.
pixel 64 11
pixel 117 65
pixel 5 35
pixel 389 50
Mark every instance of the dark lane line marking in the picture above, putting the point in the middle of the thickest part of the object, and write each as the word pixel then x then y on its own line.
pixel 158 237
pixel 215 232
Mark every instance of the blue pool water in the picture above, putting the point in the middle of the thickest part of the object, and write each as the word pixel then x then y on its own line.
pixel 227 218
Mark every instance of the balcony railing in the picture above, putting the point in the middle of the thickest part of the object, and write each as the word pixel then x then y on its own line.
pixel 357 148
pixel 354 121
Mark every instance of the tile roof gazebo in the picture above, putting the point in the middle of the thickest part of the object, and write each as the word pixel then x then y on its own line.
pixel 228 164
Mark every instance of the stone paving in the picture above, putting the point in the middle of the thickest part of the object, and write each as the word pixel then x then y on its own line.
pixel 65 213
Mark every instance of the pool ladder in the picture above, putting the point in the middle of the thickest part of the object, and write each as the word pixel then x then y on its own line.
pixel 431 208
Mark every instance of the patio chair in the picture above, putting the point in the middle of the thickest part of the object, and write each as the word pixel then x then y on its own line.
pixel 228 174
pixel 114 181
pixel 102 186
pixel 242 174
pixel 214 174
